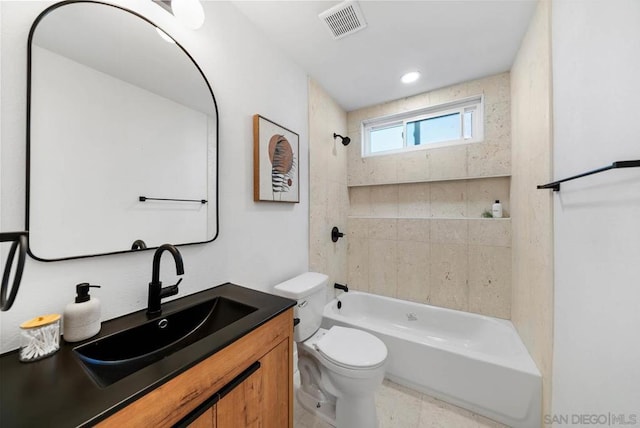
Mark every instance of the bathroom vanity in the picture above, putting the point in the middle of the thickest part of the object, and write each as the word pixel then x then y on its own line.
pixel 137 104
pixel 238 375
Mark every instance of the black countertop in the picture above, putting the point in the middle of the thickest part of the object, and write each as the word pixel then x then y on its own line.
pixel 57 391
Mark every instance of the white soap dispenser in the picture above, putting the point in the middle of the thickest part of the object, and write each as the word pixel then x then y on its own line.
pixel 82 318
pixel 496 209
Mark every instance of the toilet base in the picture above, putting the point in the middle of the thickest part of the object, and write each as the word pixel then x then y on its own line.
pixel 356 412
pixel 324 409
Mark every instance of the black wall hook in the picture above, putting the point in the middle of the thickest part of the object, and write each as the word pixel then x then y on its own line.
pixel 336 234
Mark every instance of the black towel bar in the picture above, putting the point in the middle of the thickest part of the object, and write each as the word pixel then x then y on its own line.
pixel 619 164
pixel 146 198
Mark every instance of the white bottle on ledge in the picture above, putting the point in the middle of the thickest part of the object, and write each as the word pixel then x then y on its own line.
pixel 496 209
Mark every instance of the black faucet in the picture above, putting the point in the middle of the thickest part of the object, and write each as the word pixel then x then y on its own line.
pixel 156 291
pixel 341 287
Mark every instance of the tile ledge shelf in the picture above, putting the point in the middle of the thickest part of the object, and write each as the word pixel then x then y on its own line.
pixel 431 180
pixel 427 218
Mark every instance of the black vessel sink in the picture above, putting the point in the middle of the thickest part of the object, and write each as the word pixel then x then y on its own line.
pixel 118 355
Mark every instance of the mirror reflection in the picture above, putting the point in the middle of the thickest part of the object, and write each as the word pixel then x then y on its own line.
pixel 116 112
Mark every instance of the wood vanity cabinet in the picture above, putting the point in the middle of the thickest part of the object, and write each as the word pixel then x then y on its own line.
pixel 263 398
pixel 206 420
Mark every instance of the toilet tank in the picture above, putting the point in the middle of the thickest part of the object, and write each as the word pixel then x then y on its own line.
pixel 309 291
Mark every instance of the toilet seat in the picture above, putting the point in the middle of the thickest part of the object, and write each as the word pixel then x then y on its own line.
pixel 352 349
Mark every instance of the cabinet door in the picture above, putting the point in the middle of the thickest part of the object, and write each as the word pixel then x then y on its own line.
pixel 206 420
pixel 262 400
pixel 173 402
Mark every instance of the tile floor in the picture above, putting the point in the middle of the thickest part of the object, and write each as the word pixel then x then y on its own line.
pixel 400 407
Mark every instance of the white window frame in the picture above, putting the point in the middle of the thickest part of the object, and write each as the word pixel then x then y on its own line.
pixel 475 103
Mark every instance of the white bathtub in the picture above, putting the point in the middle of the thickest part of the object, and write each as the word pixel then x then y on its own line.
pixel 473 361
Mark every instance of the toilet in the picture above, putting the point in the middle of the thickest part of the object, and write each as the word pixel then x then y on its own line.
pixel 340 368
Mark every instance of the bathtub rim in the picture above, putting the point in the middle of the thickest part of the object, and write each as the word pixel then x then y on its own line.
pixel 524 362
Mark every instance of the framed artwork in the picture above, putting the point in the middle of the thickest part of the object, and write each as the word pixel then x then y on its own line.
pixel 275 162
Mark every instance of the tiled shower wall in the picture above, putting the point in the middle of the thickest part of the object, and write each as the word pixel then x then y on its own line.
pixel 461 264
pixel 430 246
pixel 491 157
pixel 415 229
pixel 328 194
pixel 440 199
pixel 532 295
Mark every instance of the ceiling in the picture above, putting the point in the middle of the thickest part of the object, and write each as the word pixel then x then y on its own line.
pixel 448 41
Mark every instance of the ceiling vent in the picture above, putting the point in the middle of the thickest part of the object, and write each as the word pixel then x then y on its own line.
pixel 343 19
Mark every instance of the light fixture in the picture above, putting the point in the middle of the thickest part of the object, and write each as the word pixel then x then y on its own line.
pixel 188 12
pixel 345 140
pixel 410 77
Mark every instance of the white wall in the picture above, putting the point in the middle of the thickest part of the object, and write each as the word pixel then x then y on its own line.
pixel 248 76
pixel 84 197
pixel 596 64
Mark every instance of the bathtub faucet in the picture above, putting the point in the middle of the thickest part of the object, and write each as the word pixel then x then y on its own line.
pixel 341 287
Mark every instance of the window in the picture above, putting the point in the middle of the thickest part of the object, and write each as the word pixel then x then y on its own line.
pixel 458 122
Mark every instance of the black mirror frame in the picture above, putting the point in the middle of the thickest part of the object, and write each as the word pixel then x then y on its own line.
pixel 28 131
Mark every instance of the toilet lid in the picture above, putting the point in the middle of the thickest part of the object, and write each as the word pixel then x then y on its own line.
pixel 352 348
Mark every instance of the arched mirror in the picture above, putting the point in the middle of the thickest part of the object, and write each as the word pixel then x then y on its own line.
pixel 122 136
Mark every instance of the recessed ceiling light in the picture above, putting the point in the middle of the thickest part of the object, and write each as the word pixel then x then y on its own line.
pixel 410 77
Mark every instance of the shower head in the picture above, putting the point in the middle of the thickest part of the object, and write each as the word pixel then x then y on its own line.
pixel 345 140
